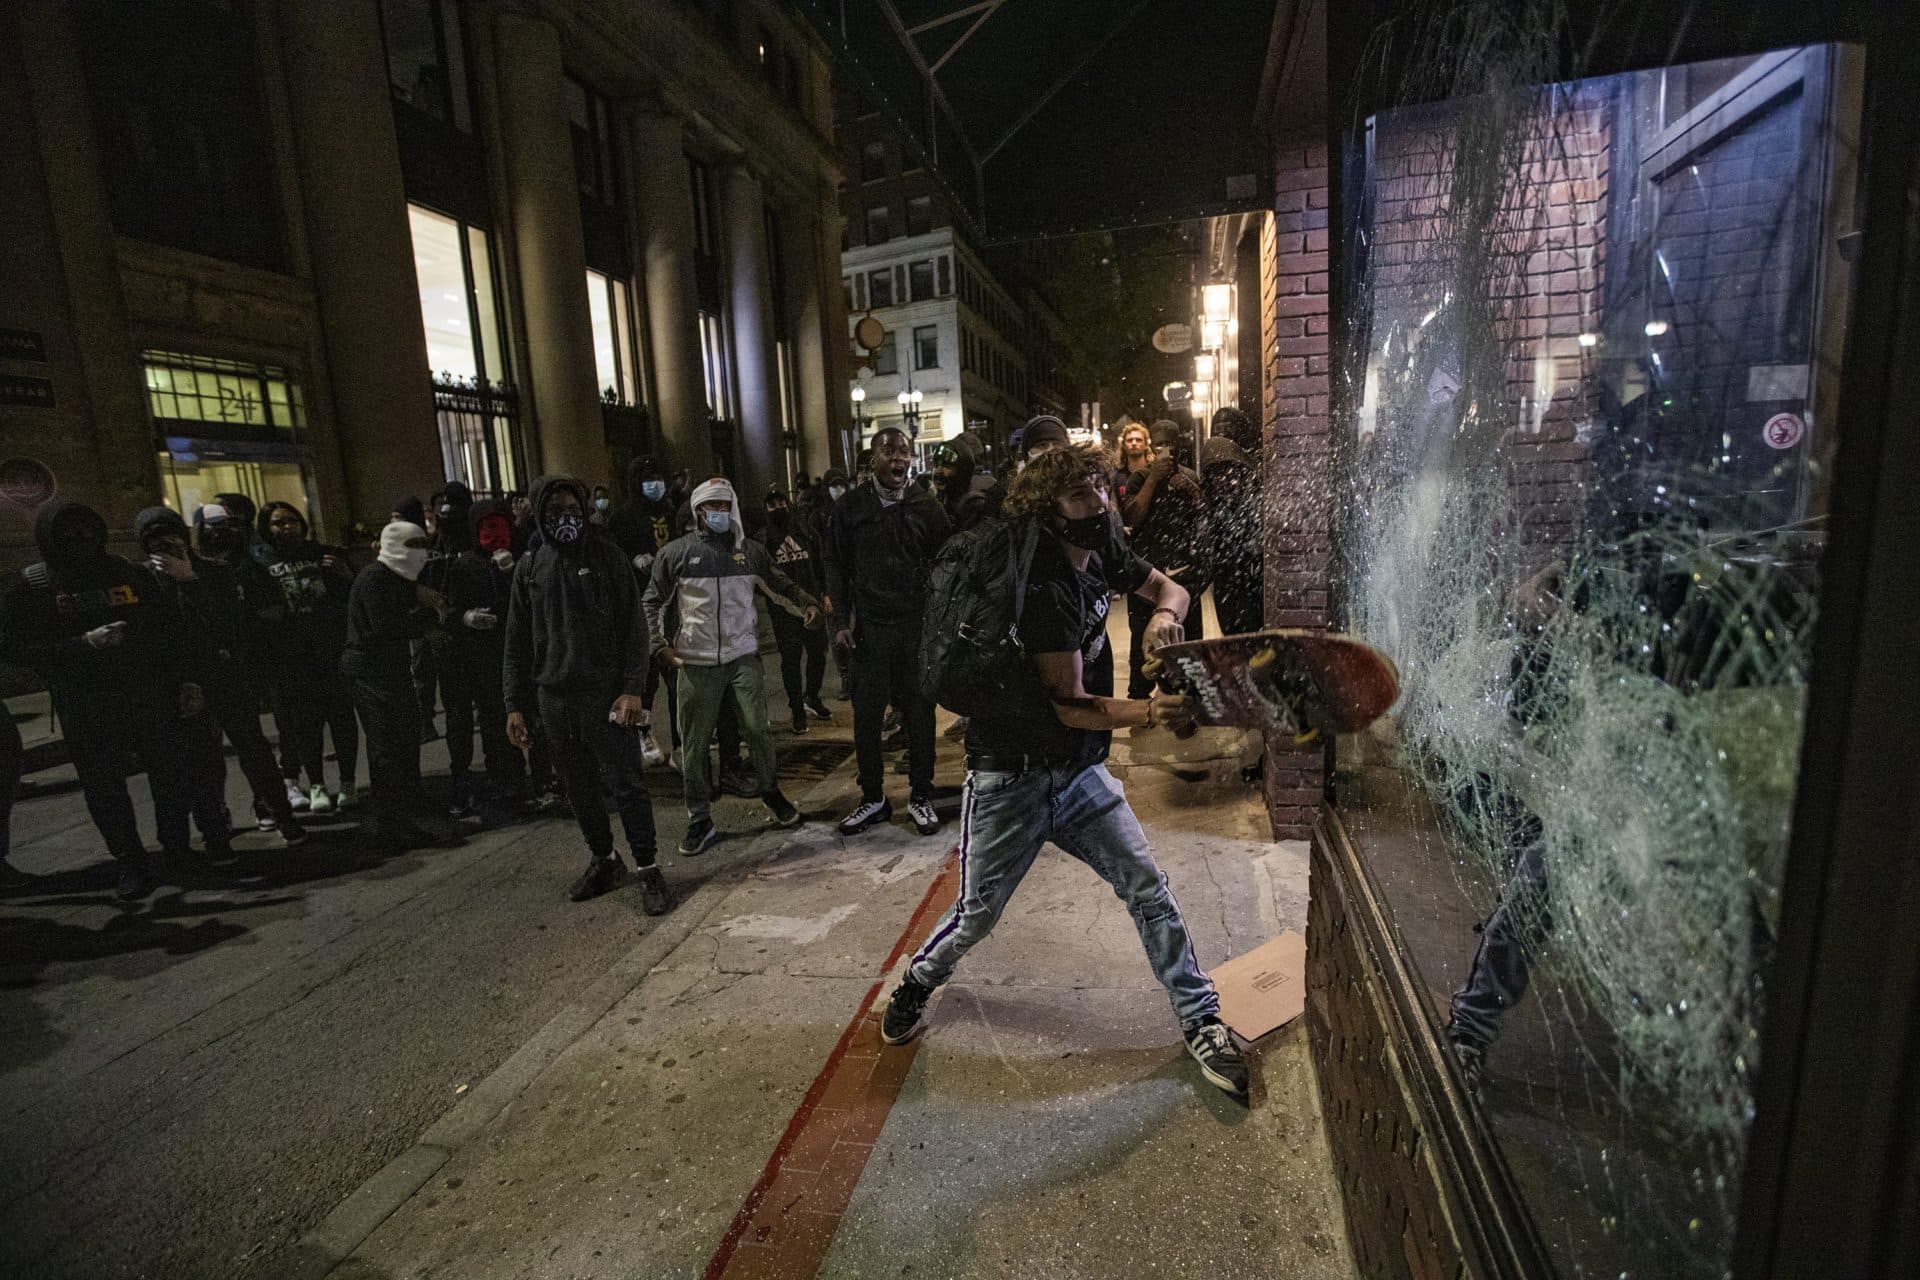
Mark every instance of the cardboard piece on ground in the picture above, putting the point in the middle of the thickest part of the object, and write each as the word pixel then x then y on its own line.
pixel 1265 988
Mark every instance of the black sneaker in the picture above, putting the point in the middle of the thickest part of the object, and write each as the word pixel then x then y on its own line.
pixel 701 836
pixel 904 1009
pixel 601 875
pixel 818 708
pixel 1221 1062
pixel 655 898
pixel 461 806
pixel 291 832
pixel 867 814
pixel 136 880
pixel 781 808
pixel 263 817
pixel 799 723
pixel 925 820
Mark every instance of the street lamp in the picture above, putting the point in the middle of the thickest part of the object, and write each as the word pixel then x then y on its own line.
pixel 859 411
pixel 1216 301
pixel 910 410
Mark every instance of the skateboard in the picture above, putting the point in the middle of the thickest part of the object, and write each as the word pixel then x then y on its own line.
pixel 1303 683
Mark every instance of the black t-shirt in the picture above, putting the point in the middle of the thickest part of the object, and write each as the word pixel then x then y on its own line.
pixel 1065 609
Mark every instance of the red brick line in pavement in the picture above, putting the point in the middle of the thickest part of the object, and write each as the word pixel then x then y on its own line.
pixel 787 1222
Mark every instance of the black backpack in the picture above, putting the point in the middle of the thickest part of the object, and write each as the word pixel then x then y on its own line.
pixel 971 658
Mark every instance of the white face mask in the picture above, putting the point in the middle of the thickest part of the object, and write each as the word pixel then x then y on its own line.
pixel 836 491
pixel 503 559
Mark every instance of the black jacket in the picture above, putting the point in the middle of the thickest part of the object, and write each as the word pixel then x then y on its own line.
pixel 574 620
pixel 384 617
pixel 469 581
pixel 53 604
pixel 307 625
pixel 210 606
pixel 796 550
pixel 642 527
pixel 878 556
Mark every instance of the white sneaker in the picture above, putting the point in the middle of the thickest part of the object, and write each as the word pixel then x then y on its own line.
pixel 296 797
pixel 349 795
pixel 650 752
pixel 319 801
pixel 925 820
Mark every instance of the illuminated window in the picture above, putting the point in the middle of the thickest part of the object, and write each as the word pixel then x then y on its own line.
pixel 453 264
pixel 223 397
pixel 616 362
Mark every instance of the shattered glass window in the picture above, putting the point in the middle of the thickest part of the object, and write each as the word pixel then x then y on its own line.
pixel 1596 357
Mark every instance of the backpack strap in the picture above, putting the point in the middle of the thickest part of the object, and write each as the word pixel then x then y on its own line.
pixel 1021 541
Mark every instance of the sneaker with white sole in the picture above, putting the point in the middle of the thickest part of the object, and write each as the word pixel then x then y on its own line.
pixel 906 1009
pixel 296 797
pixel 650 753
pixel 318 801
pixel 925 820
pixel 1220 1059
pixel 868 813
pixel 701 836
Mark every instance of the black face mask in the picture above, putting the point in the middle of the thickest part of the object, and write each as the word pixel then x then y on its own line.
pixel 220 542
pixel 1098 534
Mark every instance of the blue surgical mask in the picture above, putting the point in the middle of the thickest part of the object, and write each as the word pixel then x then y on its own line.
pixel 717 521
pixel 654 489
pixel 836 491
pixel 600 504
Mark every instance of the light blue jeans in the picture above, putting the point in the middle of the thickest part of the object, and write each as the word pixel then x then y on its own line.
pixel 1006 817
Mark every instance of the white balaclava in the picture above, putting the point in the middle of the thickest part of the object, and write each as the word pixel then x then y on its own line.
pixel 397 555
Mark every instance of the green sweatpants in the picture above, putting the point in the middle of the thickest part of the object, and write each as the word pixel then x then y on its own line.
pixel 701 689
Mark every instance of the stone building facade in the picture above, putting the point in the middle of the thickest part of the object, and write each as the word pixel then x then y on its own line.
pixel 326 253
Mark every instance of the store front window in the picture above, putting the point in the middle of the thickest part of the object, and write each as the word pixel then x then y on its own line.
pixel 1594 363
pixel 226 426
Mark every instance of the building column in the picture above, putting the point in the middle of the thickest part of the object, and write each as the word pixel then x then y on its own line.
pixel 750 292
pixel 60 263
pixel 837 341
pixel 362 253
pixel 544 198
pixel 663 203
pixel 807 292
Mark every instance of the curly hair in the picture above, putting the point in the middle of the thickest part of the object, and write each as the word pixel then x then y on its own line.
pixel 1054 474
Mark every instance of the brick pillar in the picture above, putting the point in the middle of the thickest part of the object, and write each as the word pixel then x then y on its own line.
pixel 1298 474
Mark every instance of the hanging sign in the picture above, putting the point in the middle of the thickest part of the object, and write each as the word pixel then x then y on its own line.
pixel 26 481
pixel 1783 430
pixel 1173 339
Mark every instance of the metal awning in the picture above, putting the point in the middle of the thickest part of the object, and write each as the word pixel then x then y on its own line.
pixel 1048 117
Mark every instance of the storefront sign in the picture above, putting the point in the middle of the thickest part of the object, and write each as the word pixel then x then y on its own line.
pixel 26 481
pixel 23 344
pixel 18 388
pixel 1783 430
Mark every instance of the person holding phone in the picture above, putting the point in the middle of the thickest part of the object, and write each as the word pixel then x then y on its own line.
pixel 1165 513
pixel 117 660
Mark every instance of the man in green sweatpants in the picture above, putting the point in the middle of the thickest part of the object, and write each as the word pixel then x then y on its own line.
pixel 700 613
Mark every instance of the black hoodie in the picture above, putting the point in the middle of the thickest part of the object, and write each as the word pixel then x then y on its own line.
pixel 209 605
pixel 574 622
pixel 311 624
pixel 53 604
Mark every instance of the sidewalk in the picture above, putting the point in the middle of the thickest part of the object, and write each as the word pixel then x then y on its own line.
pixel 730 1113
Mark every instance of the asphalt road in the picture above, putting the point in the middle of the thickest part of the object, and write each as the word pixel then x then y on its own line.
pixel 185 1089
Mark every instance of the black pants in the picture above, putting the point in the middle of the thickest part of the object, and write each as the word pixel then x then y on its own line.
pixel 232 714
pixel 307 703
pixel 470 689
pixel 103 727
pixel 588 749
pixel 803 660
pixel 426 675
pixel 886 663
pixel 1139 613
pixel 391 717
pixel 1236 598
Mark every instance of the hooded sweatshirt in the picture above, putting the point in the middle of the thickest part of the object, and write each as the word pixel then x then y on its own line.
pixel 209 605
pixel 573 621
pixel 310 624
pixel 384 613
pixel 699 596
pixel 55 602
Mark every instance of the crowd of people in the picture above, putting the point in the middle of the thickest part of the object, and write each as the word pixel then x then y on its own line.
pixel 548 625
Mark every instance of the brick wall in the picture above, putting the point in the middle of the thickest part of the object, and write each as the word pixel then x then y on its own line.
pixel 1297 464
